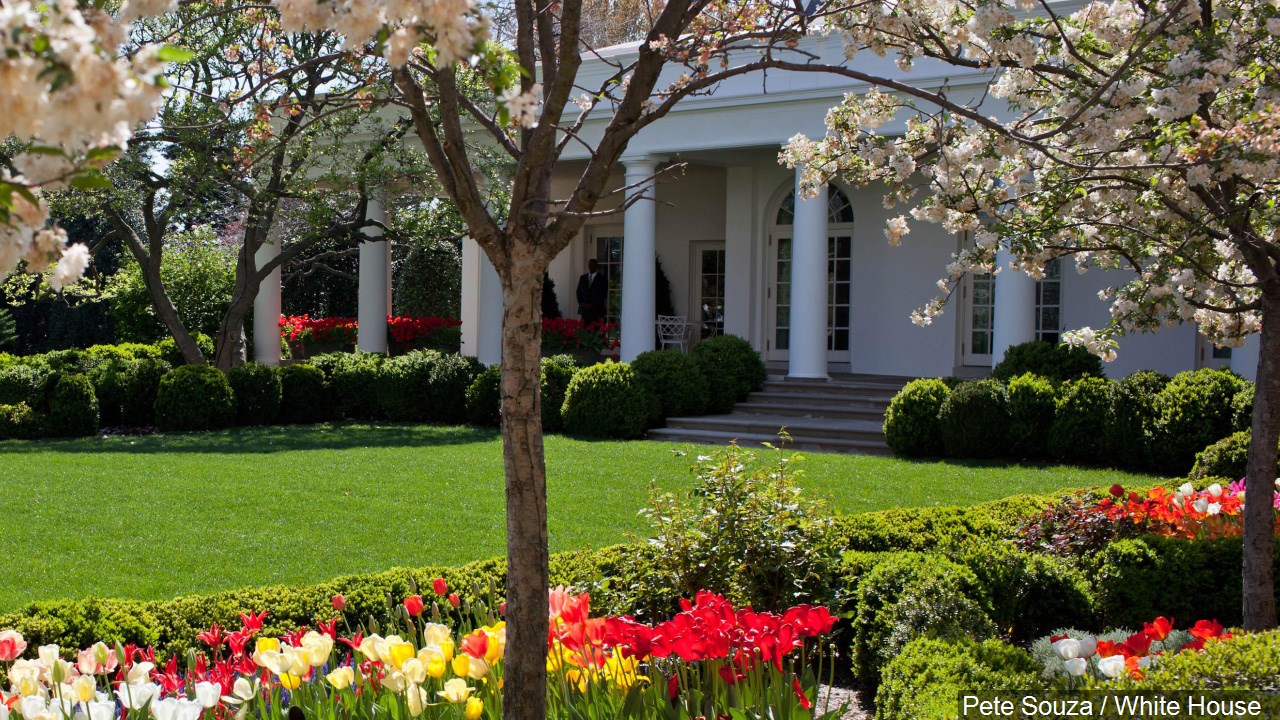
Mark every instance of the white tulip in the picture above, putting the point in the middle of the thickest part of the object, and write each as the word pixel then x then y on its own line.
pixel 165 709
pixel 207 694
pixel 1201 505
pixel 31 706
pixel 1067 648
pixel 102 710
pixel 48 655
pixel 1076 666
pixel 1215 490
pixel 188 710
pixel 135 696
pixel 1088 646
pixel 1112 667
pixel 140 673
pixel 1187 489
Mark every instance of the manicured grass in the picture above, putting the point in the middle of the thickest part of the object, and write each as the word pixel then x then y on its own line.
pixel 154 517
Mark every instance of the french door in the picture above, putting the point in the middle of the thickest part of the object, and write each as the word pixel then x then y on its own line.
pixel 707 299
pixel 979 302
pixel 778 294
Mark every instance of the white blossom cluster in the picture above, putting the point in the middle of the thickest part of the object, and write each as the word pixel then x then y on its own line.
pixel 453 27
pixel 66 91
pixel 1133 138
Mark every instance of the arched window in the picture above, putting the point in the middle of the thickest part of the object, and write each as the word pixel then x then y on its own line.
pixel 838 208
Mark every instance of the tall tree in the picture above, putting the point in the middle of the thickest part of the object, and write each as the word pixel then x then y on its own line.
pixel 1135 136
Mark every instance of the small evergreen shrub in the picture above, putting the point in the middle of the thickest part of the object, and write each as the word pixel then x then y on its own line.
pixel 194 397
pixel 1079 427
pixel 126 390
pixel 675 380
pixel 19 422
pixel 1194 410
pixel 1058 363
pixel 732 368
pixel 1031 594
pixel 484 398
pixel 406 385
pixel 66 361
pixel 1032 404
pixel 1133 402
pixel 73 408
pixel 168 349
pixel 926 679
pixel 607 400
pixel 1242 407
pixel 911 425
pixel 355 379
pixel 1227 458
pixel 557 373
pixel 257 390
pixel 451 375
pixel 304 396
pixel 24 384
pixel 975 419
pixel 140 406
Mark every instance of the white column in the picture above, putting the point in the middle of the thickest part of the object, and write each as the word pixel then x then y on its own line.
pixel 639 314
pixel 266 304
pixel 1015 308
pixel 489 334
pixel 807 356
pixel 372 306
pixel 1244 359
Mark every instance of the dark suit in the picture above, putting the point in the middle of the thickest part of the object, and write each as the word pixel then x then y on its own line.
pixel 593 297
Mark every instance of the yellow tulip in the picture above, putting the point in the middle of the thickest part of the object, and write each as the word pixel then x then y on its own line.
pixel 415 671
pixel 84 688
pixel 475 708
pixel 342 678
pixel 456 690
pixel 461 665
pixel 434 661
pixel 289 681
pixel 417 699
pixel 398 653
pixel 266 643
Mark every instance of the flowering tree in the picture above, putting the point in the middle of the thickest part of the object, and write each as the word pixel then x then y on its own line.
pixel 1136 136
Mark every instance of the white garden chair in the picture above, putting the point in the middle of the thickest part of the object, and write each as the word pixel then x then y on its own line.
pixel 673 331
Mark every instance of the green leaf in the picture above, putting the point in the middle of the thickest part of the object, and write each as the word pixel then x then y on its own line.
pixel 90 181
pixel 173 53
pixel 43 150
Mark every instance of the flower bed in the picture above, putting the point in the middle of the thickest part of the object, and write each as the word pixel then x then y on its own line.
pixel 307 335
pixel 710 659
pixel 566 335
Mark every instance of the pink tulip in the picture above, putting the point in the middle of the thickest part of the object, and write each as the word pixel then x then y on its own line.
pixel 11 645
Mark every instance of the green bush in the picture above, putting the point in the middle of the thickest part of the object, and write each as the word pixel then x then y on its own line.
pixel 484 398
pixel 257 390
pixel 557 373
pixel 126 390
pixel 1133 402
pixel 19 422
pixel 1058 363
pixel 1193 410
pixel 922 529
pixel 406 385
pixel 607 400
pixel 168 349
pixel 66 361
pixel 24 384
pixel 1032 404
pixel 1247 662
pixel 732 368
pixel 73 408
pixel 195 397
pixel 1229 458
pixel 451 375
pixel 975 419
pixel 304 396
pixel 1079 427
pixel 675 379
pixel 909 595
pixel 1242 407
pixel 925 680
pixel 911 425
pixel 356 382
pixel 1031 594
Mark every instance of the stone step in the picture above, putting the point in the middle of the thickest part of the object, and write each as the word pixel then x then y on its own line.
pixel 849 411
pixel 768 425
pixel 821 400
pixel 843 389
pixel 753 440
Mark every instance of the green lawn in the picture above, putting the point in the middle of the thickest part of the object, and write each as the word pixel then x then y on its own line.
pixel 154 517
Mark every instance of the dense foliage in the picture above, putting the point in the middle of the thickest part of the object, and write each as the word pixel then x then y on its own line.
pixel 1056 362
pixel 911 425
pixel 732 367
pixel 194 397
pixel 974 420
pixel 607 400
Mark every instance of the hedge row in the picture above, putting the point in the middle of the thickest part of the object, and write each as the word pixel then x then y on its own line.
pixel 1144 422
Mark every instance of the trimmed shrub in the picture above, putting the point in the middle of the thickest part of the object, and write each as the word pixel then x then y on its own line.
pixel 675 380
pixel 140 406
pixel 406 385
pixel 304 397
pixel 1031 595
pixel 195 397
pixel 1194 410
pixel 1228 458
pixel 911 425
pixel 484 398
pixel 1058 363
pixel 1032 404
pixel 909 595
pixel 126 390
pixel 732 368
pixel 356 381
pixel 1078 434
pixel 73 408
pixel 451 375
pixel 1242 407
pixel 607 400
pixel 257 390
pixel 557 373
pixel 1132 414
pixel 19 422
pixel 1247 662
pixel 66 361
pixel 24 384
pixel 925 680
pixel 168 349
pixel 923 529
pixel 974 420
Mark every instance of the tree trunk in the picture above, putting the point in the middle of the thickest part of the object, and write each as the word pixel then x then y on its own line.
pixel 1259 514
pixel 164 307
pixel 231 345
pixel 525 669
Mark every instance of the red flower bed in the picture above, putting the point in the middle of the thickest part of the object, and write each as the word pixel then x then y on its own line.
pixel 306 329
pixel 567 335
pixel 408 330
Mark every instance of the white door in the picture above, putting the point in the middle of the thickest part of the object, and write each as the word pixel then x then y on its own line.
pixel 1209 355
pixel 706 311
pixel 979 303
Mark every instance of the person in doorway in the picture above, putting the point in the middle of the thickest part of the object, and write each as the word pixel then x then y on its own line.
pixel 593 294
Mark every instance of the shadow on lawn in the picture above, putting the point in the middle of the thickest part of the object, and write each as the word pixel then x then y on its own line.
pixel 266 439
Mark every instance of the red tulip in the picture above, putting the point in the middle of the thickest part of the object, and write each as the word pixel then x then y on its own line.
pixel 440 586
pixel 805 702
pixel 1117 490
pixel 339 602
pixel 1159 629
pixel 454 600
pixel 413 604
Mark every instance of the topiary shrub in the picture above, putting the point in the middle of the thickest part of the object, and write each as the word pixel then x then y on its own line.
pixel 1079 427
pixel 557 373
pixel 140 405
pixel 406 385
pixel 126 390
pixel 911 425
pixel 675 380
pixel 19 422
pixel 1133 402
pixel 1031 594
pixel 304 397
pixel 1194 410
pixel 909 595
pixel 484 398
pixel 926 679
pixel 607 400
pixel 1227 458
pixel 1032 404
pixel 168 349
pixel 975 420
pixel 732 368
pixel 73 408
pixel 1058 363
pixel 355 380
pixel 195 397
pixel 257 390
pixel 451 375
pixel 24 384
